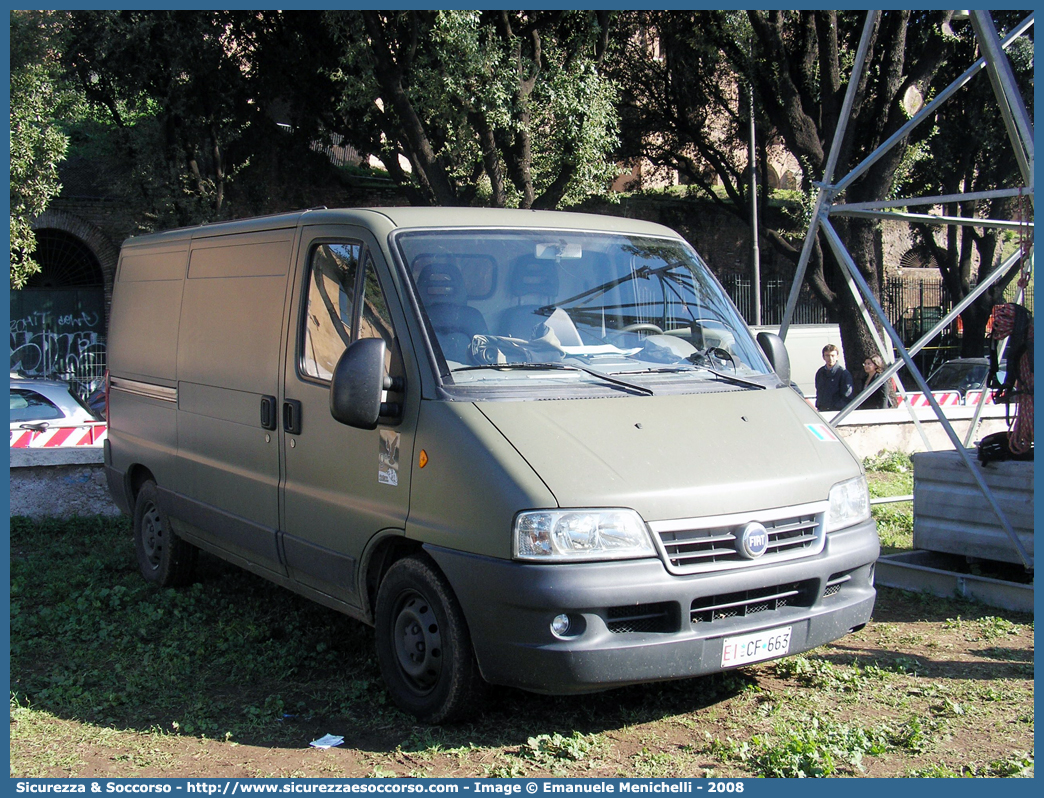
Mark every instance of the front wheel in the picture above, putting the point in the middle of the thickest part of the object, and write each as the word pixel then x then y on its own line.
pixel 164 559
pixel 423 645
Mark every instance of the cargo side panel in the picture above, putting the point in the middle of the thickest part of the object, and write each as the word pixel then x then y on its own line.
pixel 143 338
pixel 228 363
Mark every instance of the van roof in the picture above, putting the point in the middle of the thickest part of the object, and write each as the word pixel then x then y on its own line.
pixel 415 217
pixel 403 217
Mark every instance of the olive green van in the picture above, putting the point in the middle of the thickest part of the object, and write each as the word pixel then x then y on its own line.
pixel 531 449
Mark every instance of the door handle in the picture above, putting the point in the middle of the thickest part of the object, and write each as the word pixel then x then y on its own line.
pixel 292 416
pixel 268 412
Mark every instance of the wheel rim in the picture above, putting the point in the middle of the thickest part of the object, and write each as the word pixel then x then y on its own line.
pixel 152 536
pixel 417 641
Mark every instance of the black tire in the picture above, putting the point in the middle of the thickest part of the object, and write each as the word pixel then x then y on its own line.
pixel 164 559
pixel 423 645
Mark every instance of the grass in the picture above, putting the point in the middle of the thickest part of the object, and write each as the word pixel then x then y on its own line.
pixel 112 677
pixel 90 640
pixel 891 474
pixel 816 747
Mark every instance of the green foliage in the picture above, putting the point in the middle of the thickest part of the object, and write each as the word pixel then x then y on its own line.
pixel 39 98
pixel 481 115
pixel 185 105
pixel 987 628
pixel 547 748
pixel 815 747
pixel 226 659
pixel 966 148
pixel 37 146
pixel 511 769
pixel 895 526
pixel 1018 764
pixel 889 462
pixel 659 764
pixel 891 474
pixel 825 675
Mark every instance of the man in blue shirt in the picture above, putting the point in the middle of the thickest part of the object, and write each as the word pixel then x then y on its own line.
pixel 834 387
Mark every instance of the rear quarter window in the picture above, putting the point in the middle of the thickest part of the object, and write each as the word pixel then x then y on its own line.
pixel 31 406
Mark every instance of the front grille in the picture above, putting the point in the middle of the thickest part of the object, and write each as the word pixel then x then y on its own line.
pixel 833 585
pixel 699 545
pixel 642 618
pixel 745 603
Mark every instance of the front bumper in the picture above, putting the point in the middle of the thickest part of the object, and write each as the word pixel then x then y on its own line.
pixel 633 622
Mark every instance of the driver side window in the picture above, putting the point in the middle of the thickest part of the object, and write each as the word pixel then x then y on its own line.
pixel 336 314
pixel 328 318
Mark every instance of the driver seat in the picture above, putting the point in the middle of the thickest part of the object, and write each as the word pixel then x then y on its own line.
pixel 530 277
pixel 442 291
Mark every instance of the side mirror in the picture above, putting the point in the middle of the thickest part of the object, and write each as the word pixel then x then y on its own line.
pixel 358 384
pixel 776 352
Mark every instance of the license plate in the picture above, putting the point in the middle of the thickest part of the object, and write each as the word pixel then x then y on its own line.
pixel 755 647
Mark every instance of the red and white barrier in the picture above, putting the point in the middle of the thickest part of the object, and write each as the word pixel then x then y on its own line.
pixel 60 437
pixel 944 398
pixel 972 398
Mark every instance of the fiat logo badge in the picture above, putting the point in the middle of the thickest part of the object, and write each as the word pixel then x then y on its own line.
pixel 753 541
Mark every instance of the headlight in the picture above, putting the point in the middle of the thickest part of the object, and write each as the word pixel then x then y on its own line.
pixel 611 534
pixel 849 504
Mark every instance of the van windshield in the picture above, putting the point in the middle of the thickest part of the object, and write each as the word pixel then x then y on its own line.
pixel 539 310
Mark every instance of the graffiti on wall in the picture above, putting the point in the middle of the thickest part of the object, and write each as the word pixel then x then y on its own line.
pixel 68 346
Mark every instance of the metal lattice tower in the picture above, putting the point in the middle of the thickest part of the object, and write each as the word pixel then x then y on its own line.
pixel 1019 127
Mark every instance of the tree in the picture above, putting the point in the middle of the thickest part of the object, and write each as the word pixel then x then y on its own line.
pixel 190 105
pixel 684 105
pixel 38 143
pixel 797 63
pixel 497 107
pixel 968 150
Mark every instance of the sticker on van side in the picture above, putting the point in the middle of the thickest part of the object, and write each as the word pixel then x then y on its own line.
pixel 388 458
pixel 821 432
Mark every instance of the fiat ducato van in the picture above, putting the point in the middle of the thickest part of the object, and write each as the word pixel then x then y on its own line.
pixel 532 449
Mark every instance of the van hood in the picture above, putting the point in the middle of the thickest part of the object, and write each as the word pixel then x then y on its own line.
pixel 678 456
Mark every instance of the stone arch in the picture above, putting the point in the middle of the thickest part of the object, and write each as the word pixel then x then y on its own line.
pixel 99 244
pixel 918 258
pixel 772 177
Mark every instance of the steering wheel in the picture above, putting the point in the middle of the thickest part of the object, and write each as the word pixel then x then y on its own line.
pixel 723 356
pixel 643 326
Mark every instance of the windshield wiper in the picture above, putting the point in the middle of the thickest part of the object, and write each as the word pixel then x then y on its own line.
pixel 676 369
pixel 561 367
pixel 663 370
pixel 732 378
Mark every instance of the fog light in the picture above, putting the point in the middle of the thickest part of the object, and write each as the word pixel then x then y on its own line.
pixel 873 566
pixel 560 625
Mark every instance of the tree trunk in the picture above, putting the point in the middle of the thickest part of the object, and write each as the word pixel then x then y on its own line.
pixel 855 336
pixel 490 158
pixel 427 169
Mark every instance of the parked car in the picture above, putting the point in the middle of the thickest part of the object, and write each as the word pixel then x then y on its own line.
pixel 46 403
pixel 963 374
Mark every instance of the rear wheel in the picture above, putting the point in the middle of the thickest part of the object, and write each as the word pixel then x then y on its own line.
pixel 423 645
pixel 165 559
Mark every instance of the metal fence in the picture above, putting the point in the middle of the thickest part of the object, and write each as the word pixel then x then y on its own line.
pixel 913 303
pixel 773 301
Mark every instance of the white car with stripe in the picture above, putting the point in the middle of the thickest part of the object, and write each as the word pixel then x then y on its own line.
pixel 46 414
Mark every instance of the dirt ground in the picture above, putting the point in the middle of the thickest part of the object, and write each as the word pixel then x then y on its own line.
pixel 947 687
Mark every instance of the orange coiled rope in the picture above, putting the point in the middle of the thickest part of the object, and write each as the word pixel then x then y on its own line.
pixel 1020 436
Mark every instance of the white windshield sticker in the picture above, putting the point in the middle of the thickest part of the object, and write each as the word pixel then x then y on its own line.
pixel 388 458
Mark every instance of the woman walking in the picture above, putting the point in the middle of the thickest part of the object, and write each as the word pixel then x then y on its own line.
pixel 884 396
